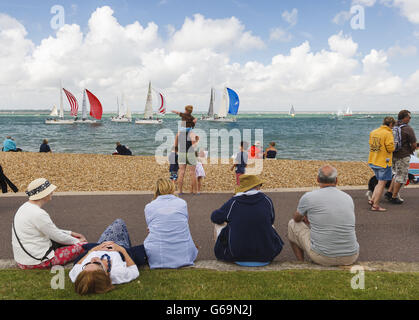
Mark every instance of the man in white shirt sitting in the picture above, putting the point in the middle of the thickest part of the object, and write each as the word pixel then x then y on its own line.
pixel 37 242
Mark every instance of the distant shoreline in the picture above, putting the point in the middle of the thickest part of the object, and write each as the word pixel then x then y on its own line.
pixel 46 112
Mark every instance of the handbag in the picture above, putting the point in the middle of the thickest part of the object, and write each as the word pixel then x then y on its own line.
pixel 54 246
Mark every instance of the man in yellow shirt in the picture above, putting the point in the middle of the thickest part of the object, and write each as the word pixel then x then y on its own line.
pixel 380 159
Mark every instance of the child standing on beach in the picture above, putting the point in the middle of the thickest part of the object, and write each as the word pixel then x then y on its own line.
pixel 200 172
pixel 240 162
pixel 174 164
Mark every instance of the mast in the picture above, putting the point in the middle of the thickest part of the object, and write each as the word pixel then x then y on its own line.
pixel 61 100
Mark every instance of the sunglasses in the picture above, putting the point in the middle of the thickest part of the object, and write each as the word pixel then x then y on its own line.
pixel 95 262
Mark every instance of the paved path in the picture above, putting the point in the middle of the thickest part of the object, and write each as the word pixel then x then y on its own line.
pixel 390 236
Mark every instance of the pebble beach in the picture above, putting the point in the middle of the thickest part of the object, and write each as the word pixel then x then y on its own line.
pixel 97 172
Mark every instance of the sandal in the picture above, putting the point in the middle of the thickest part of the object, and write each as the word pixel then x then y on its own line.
pixel 370 202
pixel 377 208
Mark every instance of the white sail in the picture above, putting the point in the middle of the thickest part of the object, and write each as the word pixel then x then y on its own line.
pixel 148 111
pixel 84 106
pixel 348 112
pixel 128 112
pixel 61 101
pixel 222 110
pixel 292 111
pixel 54 111
pixel 211 105
pixel 118 111
pixel 121 111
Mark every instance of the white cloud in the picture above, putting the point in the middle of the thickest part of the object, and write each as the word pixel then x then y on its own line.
pixel 342 17
pixel 219 35
pixel 397 51
pixel 344 45
pixel 408 8
pixel 291 17
pixel 109 58
pixel 280 35
pixel 366 3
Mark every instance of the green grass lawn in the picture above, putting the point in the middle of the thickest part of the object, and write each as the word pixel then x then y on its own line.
pixel 200 284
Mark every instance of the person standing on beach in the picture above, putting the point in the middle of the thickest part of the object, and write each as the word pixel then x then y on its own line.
pixel 187 159
pixel 45 147
pixel 173 164
pixel 401 157
pixel 240 162
pixel 380 159
pixel 4 182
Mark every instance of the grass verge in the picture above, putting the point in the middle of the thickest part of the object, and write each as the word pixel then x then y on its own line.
pixel 200 284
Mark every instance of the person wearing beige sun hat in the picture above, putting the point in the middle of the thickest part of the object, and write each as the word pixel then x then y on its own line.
pixel 244 226
pixel 37 242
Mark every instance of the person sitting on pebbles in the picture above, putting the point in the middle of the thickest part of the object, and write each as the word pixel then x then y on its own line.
pixel 244 226
pixel 37 242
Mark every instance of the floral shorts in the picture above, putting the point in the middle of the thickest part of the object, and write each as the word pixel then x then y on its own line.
pixel 62 256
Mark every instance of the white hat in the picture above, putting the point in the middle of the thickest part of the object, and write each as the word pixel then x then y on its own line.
pixel 39 189
pixel 257 143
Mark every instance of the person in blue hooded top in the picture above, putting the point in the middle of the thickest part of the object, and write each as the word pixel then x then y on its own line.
pixel 244 225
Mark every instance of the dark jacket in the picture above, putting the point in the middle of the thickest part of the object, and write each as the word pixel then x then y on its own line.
pixel 4 182
pixel 249 235
pixel 123 150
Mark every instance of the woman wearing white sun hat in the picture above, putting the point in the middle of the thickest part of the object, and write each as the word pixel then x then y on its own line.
pixel 36 240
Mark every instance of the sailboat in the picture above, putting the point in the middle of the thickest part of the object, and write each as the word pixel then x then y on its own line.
pixel 292 111
pixel 148 110
pixel 61 119
pixel 348 112
pixel 210 114
pixel 123 115
pixel 230 101
pixel 95 108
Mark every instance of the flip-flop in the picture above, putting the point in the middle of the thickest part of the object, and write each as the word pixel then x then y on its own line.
pixel 370 202
pixel 377 208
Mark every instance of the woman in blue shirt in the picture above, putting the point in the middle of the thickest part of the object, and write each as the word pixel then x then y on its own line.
pixel 169 243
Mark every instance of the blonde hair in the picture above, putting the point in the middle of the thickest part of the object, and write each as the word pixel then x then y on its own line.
pixel 163 186
pixel 97 281
pixel 189 108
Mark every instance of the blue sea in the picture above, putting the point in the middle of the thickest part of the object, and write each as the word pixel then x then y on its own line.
pixel 305 137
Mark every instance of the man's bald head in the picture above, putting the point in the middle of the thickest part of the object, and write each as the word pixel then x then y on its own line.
pixel 327 175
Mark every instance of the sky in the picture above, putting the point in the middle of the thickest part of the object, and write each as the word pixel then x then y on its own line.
pixel 316 55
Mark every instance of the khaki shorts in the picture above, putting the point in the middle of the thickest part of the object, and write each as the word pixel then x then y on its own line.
pixel 299 233
pixel 401 169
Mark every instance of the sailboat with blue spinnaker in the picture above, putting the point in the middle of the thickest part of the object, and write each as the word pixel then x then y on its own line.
pixel 230 105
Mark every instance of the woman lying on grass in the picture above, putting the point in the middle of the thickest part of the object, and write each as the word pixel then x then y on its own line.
pixel 112 261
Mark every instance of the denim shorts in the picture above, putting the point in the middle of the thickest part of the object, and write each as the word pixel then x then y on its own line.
pixel 382 174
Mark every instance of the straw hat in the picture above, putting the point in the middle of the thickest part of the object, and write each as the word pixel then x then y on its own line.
pixel 39 189
pixel 248 182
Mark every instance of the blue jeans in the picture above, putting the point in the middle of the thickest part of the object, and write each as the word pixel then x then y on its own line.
pixel 118 233
pixel 382 174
